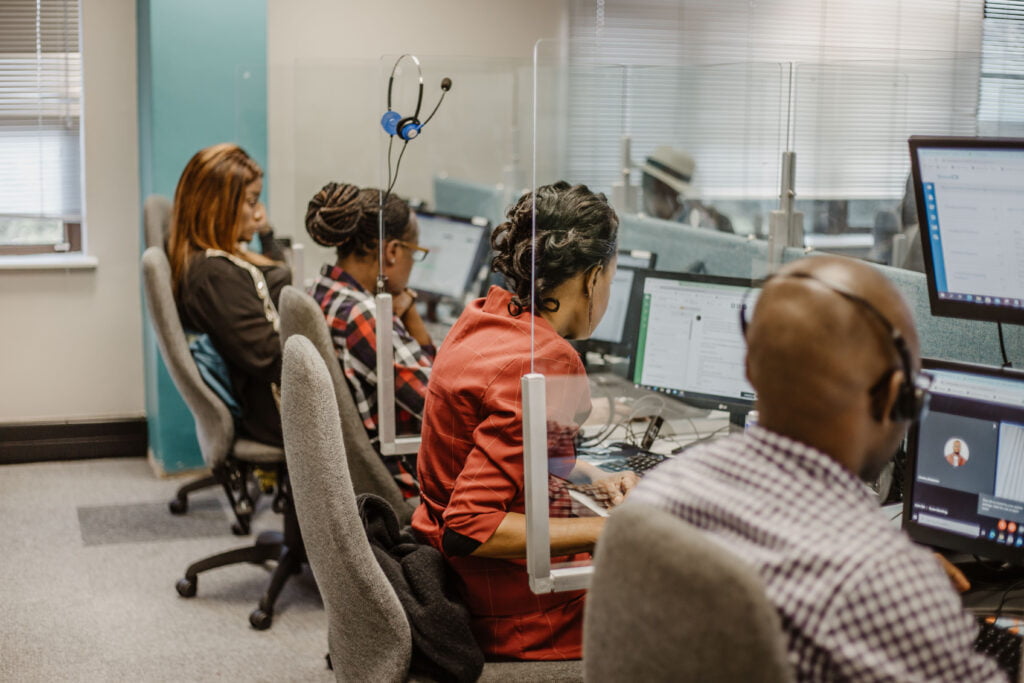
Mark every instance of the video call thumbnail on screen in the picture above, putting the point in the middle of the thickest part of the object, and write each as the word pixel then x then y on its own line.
pixel 969 459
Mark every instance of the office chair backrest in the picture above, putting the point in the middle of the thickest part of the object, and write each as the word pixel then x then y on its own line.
pixel 668 604
pixel 368 633
pixel 156 219
pixel 301 315
pixel 214 426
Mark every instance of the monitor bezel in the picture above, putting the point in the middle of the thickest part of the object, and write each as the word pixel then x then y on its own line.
pixel 479 258
pixel 948 308
pixel 937 538
pixel 709 401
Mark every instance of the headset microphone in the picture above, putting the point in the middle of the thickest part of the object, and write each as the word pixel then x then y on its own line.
pixel 446 85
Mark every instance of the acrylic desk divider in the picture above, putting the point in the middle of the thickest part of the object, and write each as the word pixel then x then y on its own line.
pixel 390 444
pixel 543 577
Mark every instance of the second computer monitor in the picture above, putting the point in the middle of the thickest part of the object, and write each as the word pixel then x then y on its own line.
pixel 458 248
pixel 610 335
pixel 971 214
pixel 688 339
pixel 965 463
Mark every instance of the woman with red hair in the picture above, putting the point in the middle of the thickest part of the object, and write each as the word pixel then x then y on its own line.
pixel 222 289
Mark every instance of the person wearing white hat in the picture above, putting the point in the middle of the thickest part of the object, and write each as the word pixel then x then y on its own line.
pixel 665 181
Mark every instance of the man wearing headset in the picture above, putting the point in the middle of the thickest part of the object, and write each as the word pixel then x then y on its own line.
pixel 833 356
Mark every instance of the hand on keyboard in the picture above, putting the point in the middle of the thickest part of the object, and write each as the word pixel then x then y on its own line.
pixel 609 491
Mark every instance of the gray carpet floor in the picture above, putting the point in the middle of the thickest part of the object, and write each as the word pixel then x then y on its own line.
pixel 89 556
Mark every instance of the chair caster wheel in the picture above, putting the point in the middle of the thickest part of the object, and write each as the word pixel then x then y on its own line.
pixel 187 587
pixel 260 620
pixel 237 530
pixel 178 506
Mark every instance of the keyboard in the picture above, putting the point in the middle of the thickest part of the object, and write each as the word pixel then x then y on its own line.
pixel 1000 644
pixel 638 462
pixel 622 457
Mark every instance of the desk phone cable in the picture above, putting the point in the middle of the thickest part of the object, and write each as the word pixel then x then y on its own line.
pixel 612 425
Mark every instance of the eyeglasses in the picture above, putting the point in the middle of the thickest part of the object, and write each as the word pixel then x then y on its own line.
pixel 418 253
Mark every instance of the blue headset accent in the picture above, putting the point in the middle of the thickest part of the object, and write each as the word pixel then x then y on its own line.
pixel 393 123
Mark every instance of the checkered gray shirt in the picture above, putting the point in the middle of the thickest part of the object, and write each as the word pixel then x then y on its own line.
pixel 858 601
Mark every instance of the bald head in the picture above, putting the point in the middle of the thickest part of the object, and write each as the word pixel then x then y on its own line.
pixel 813 354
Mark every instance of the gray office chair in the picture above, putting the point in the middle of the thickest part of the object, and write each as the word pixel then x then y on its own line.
pixel 668 604
pixel 156 220
pixel 300 314
pixel 230 457
pixel 368 633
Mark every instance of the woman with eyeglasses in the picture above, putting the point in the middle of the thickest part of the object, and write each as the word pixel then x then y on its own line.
pixel 347 218
pixel 223 290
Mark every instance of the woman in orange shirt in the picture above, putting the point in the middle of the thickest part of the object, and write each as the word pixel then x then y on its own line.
pixel 470 464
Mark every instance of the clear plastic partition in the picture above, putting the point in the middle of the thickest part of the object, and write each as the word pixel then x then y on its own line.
pixel 852 120
pixel 635 343
pixel 470 160
pixel 457 158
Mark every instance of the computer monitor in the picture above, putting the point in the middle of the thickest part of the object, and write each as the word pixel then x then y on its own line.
pixel 964 486
pixel 689 343
pixel 458 247
pixel 971 209
pixel 610 336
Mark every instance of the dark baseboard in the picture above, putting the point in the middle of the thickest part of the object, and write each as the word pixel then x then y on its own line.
pixel 55 441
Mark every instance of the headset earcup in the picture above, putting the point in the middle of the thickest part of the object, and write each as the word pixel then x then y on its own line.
pixel 907 403
pixel 409 128
pixel 389 122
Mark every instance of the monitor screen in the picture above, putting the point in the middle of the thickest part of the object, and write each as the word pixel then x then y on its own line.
pixel 971 210
pixel 458 248
pixel 688 339
pixel 965 464
pixel 612 327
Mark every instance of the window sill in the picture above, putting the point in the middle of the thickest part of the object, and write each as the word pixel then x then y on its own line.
pixel 49 262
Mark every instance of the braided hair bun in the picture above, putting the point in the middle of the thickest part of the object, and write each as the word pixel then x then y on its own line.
pixel 576 230
pixel 343 216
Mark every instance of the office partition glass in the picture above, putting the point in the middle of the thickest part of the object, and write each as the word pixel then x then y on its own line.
pixel 471 149
pixel 852 120
pixel 689 158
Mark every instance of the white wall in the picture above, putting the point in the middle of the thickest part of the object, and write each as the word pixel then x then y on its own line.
pixel 327 86
pixel 71 341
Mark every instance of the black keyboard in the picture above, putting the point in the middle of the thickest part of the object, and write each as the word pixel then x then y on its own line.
pixel 1001 645
pixel 631 458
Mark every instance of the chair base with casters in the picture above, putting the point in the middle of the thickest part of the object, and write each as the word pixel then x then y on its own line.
pixel 179 504
pixel 240 487
pixel 285 548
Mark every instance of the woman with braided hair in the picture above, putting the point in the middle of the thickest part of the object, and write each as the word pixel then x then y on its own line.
pixel 347 218
pixel 470 466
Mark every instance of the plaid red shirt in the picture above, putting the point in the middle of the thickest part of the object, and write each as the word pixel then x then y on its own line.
pixel 351 316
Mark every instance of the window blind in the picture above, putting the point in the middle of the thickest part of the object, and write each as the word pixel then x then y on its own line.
pixel 713 78
pixel 1001 110
pixel 40 109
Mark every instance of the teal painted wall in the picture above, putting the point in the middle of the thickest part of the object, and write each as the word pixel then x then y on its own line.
pixel 202 80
